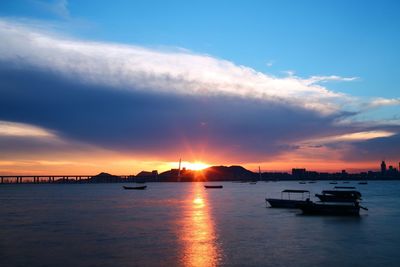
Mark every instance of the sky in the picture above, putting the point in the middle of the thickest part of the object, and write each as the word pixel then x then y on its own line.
pixel 90 86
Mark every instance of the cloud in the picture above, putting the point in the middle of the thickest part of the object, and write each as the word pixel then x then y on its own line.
pixel 142 102
pixel 382 102
pixel 138 68
pixel 351 137
pixel 270 63
pixel 374 149
pixel 20 129
pixel 324 79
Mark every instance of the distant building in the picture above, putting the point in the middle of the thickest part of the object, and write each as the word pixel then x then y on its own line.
pixel 299 173
pixel 383 167
pixel 147 174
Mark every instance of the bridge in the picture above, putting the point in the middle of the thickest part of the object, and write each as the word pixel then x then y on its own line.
pixel 36 179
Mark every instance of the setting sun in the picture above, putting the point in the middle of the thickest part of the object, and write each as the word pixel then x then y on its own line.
pixel 196 166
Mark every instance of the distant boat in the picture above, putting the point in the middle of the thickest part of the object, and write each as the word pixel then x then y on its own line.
pixel 333 182
pixel 135 187
pixel 338 209
pixel 252 182
pixel 363 183
pixel 344 187
pixel 302 182
pixel 288 203
pixel 312 182
pixel 213 186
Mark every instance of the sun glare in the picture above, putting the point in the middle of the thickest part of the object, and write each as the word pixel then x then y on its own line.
pixel 198 201
pixel 195 166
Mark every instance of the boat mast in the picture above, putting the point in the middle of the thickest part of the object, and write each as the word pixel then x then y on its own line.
pixel 259 172
pixel 179 169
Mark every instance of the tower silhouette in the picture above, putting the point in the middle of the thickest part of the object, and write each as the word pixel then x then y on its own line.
pixel 383 167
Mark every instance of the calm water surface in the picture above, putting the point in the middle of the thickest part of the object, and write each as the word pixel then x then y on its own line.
pixel 182 224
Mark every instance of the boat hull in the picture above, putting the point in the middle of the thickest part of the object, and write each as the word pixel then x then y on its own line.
pixel 213 186
pixel 284 203
pixel 135 187
pixel 341 209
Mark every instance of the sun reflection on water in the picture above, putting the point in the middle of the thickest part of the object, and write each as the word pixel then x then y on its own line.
pixel 198 234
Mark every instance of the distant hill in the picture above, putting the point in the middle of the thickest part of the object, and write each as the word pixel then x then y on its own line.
pixel 214 173
pixel 220 173
pixel 104 177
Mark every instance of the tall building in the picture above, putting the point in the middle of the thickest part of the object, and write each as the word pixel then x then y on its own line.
pixel 383 167
pixel 299 173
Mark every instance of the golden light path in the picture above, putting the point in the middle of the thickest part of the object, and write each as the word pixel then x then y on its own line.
pixel 198 236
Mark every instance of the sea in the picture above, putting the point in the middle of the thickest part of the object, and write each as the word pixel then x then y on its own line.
pixel 184 224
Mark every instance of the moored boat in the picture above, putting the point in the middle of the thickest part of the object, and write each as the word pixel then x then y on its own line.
pixel 213 186
pixel 135 187
pixel 338 209
pixel 287 202
pixel 339 196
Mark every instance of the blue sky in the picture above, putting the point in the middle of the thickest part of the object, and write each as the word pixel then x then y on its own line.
pixel 279 84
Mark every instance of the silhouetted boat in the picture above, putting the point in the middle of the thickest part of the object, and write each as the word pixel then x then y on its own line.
pixel 213 186
pixel 288 203
pixel 302 182
pixel 363 183
pixel 339 196
pixel 312 182
pixel 333 182
pixel 252 182
pixel 344 187
pixel 135 187
pixel 338 209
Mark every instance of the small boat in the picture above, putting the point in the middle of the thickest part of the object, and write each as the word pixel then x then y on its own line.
pixel 135 187
pixel 302 182
pixel 213 186
pixel 253 182
pixel 312 182
pixel 333 182
pixel 339 196
pixel 344 187
pixel 363 182
pixel 288 203
pixel 337 209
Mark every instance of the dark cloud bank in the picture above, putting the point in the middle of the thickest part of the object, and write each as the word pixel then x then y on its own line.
pixel 140 122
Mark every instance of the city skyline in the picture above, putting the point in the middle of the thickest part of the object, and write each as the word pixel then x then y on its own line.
pixel 87 87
